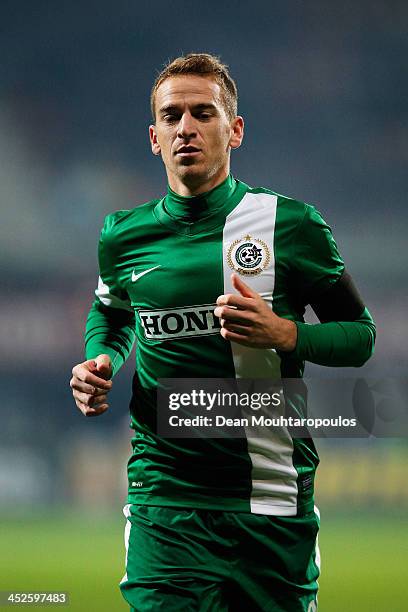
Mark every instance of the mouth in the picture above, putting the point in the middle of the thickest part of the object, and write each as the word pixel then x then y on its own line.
pixel 187 151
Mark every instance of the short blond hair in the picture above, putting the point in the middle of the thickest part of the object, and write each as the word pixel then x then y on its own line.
pixel 202 64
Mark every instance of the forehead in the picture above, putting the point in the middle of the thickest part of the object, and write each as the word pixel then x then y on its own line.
pixel 188 89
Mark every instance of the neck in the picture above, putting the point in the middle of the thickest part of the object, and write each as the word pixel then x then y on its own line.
pixel 192 186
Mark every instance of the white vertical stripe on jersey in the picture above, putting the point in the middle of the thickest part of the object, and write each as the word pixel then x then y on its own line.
pixel 317 549
pixel 274 486
pixel 126 512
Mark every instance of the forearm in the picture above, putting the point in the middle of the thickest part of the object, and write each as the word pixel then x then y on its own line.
pixel 109 331
pixel 337 343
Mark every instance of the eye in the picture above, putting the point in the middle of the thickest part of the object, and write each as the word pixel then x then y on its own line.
pixel 204 116
pixel 170 118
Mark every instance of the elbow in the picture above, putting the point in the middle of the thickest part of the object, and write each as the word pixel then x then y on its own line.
pixel 367 351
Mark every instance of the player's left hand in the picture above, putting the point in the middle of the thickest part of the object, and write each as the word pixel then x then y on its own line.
pixel 248 320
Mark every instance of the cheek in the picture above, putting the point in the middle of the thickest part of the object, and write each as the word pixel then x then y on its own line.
pixel 221 139
pixel 165 145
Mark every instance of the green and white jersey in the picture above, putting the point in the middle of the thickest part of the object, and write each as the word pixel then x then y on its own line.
pixel 162 267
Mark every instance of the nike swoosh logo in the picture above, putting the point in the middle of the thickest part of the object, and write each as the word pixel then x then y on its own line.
pixel 135 277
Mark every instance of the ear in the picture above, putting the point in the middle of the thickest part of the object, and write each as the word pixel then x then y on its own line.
pixel 154 143
pixel 237 132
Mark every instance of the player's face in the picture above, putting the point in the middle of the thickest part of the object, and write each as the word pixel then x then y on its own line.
pixel 193 133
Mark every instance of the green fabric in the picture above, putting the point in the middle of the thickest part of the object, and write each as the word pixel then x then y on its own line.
pixel 315 259
pixel 189 208
pixel 193 215
pixel 162 267
pixel 337 343
pixel 108 332
pixel 211 561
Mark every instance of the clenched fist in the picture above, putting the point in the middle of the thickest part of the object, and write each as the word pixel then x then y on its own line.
pixel 248 320
pixel 90 385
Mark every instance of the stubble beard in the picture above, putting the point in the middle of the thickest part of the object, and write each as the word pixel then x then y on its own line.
pixel 193 178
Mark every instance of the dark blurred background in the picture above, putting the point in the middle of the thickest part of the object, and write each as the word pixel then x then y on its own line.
pixel 323 90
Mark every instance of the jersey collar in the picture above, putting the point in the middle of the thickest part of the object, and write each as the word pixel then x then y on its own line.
pixel 193 208
pixel 191 214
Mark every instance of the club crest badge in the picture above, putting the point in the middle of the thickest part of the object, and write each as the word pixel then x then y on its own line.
pixel 248 256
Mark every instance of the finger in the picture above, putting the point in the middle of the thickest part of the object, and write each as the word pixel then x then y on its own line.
pixel 234 301
pixel 231 314
pixel 88 411
pixel 238 329
pixel 242 287
pixel 104 366
pixel 90 400
pixel 96 402
pixel 82 398
pixel 233 337
pixel 78 385
pixel 92 412
pixel 99 392
pixel 86 376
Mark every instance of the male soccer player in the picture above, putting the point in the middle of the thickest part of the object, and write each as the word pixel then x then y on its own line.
pixel 213 279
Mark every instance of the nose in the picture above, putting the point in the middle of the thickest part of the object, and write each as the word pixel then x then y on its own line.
pixel 186 127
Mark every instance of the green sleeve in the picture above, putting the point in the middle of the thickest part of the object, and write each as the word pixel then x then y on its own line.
pixel 337 343
pixel 109 331
pixel 318 266
pixel 110 326
pixel 315 259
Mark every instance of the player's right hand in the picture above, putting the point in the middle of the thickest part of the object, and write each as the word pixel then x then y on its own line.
pixel 90 385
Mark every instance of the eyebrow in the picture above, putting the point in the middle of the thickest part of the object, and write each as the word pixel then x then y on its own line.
pixel 171 108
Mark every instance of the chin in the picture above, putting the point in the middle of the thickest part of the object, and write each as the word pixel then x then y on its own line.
pixel 192 172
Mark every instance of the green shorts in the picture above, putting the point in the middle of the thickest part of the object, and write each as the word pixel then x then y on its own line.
pixel 183 560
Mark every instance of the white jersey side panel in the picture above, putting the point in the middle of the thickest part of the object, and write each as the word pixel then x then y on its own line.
pixel 248 248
